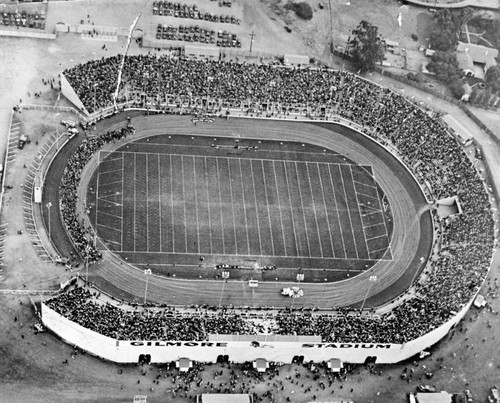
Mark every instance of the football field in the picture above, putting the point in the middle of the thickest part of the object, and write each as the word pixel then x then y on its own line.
pixel 167 201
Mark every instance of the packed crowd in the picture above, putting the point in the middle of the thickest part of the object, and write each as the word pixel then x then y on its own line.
pixel 81 235
pixel 423 143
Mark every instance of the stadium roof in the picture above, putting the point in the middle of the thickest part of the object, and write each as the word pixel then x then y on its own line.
pixel 225 398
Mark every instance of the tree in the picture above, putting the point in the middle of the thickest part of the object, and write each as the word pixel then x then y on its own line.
pixel 492 74
pixel 302 10
pixel 449 24
pixel 457 88
pixel 366 46
pixel 445 66
pixel 492 78
pixel 443 40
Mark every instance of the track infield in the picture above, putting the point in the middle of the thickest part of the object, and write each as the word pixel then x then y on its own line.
pixel 169 201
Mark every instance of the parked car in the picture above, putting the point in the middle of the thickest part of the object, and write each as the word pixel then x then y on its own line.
pixel 426 388
pixel 22 141
pixel 68 123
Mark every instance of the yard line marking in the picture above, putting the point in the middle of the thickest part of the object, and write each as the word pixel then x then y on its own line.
pixel 109 215
pixel 373 225
pixel 108 227
pixel 329 166
pixel 363 183
pixel 357 201
pixel 123 201
pixel 159 201
pixel 279 207
pixel 244 206
pixel 208 203
pixel 378 236
pixel 291 208
pixel 196 206
pixel 370 213
pixel 326 209
pixel 267 205
pixel 171 201
pixel 147 202
pixel 383 218
pixel 220 206
pixel 378 250
pixel 109 172
pixel 256 207
pixel 111 183
pixel 365 195
pixel 349 214
pixel 232 205
pixel 135 200
pixel 303 211
pixel 314 209
pixel 184 199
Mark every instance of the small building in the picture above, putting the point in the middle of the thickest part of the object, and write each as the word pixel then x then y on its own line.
pixel 296 60
pixel 224 398
pixel 260 365
pixel 184 364
pixel 434 397
pixel 481 56
pixel 335 365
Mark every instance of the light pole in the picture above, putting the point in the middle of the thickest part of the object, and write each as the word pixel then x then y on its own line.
pixel 252 35
pixel 225 276
pixel 49 205
pixel 372 280
pixel 147 273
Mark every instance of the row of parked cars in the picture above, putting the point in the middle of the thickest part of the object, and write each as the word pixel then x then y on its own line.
pixel 195 33
pixel 23 19
pixel 178 10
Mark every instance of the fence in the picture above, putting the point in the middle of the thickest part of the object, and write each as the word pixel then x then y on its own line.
pixel 25 34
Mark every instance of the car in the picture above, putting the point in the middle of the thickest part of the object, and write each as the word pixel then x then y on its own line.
pixel 427 388
pixel 468 395
pixel 22 141
pixel 68 123
pixel 411 398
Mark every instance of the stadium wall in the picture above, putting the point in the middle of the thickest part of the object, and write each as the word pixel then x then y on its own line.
pixel 238 351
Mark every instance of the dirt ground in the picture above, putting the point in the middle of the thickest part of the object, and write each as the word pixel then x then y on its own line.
pixel 31 366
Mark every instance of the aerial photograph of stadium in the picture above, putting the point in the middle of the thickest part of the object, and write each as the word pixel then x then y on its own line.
pixel 249 201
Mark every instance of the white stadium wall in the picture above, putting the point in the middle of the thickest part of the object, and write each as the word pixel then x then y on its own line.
pixel 238 351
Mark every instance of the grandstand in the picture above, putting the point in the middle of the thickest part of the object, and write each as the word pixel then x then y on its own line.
pixel 454 273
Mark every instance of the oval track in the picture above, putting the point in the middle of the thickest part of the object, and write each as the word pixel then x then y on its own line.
pixel 121 279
